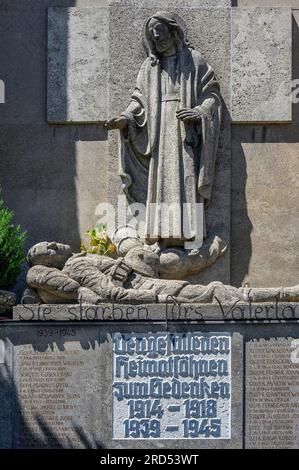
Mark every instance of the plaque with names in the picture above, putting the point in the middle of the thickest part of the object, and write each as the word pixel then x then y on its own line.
pixel 56 373
pixel 272 393
pixel 172 386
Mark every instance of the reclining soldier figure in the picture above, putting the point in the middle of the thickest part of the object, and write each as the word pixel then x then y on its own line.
pixel 59 276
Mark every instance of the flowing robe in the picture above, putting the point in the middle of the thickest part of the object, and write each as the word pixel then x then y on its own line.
pixel 166 160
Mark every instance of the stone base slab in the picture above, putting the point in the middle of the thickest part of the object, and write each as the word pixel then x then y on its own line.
pixel 58 381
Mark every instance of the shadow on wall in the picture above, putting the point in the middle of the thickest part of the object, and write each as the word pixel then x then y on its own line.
pixel 241 226
pixel 38 161
pixel 38 173
pixel 46 438
pixel 28 429
pixel 254 134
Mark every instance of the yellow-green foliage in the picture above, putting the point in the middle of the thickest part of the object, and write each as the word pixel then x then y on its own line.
pixel 99 242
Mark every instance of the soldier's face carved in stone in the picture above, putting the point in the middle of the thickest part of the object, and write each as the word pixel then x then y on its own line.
pixel 143 261
pixel 161 36
pixel 49 254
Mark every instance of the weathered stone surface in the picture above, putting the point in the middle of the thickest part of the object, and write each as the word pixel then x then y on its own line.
pixel 77 64
pixel 58 276
pixel 56 382
pixel 261 65
pixel 209 33
pixel 50 254
pixel 51 174
pixel 272 393
pixel 172 3
pixel 6 391
pixel 168 312
pixel 267 3
pixel 265 196
pixel 2 92
pixel 172 110
pixel 52 177
pixel 53 389
pixel 265 207
pixel 57 180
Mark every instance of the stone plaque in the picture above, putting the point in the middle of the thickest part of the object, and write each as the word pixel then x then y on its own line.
pixel 172 386
pixel 58 386
pixel 77 64
pixel 57 380
pixel 272 397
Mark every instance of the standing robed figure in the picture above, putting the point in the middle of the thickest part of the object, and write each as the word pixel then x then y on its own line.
pixel 170 132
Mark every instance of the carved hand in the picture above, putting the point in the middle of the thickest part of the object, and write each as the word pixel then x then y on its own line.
pixel 186 114
pixel 195 114
pixel 116 123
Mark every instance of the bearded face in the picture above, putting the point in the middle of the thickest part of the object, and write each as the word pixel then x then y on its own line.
pixel 161 36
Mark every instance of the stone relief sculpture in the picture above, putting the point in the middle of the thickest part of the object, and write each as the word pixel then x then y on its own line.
pixel 170 131
pixel 58 276
pixel 169 139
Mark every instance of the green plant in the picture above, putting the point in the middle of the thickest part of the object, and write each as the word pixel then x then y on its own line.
pixel 12 240
pixel 99 242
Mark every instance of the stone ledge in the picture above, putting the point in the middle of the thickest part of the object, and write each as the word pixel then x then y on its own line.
pixel 199 313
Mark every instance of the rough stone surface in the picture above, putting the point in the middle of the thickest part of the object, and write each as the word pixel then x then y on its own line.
pixel 61 177
pixel 173 178
pixel 272 393
pixel 78 358
pixel 78 361
pixel 266 158
pixel 209 33
pixel 265 209
pixel 54 389
pixel 58 276
pixel 173 3
pixel 267 3
pixel 52 176
pixel 6 391
pixel 77 64
pixel 261 65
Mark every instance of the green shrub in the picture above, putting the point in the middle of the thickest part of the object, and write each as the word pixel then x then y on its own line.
pixel 12 240
pixel 99 242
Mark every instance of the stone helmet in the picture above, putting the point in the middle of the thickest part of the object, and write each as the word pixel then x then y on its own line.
pixel 51 254
pixel 144 261
pixel 125 238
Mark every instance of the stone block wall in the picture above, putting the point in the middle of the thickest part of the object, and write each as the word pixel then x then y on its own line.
pixel 54 175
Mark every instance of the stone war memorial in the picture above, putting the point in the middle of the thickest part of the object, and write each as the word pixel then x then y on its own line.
pixel 149 220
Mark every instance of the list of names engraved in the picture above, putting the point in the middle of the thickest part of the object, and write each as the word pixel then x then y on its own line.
pixel 53 401
pixel 272 393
